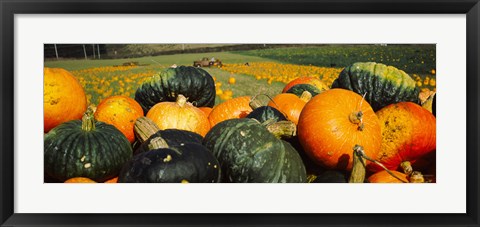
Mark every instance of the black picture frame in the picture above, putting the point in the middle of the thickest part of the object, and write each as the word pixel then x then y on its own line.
pixel 10 7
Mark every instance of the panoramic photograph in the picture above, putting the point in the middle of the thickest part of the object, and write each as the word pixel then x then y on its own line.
pixel 239 113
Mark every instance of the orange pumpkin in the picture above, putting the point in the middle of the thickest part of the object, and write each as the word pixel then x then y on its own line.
pixel 80 180
pixel 63 98
pixel 233 108
pixel 113 180
pixel 179 115
pixel 207 110
pixel 306 80
pixel 290 104
pixel 408 133
pixel 384 177
pixel 231 80
pixel 121 112
pixel 332 123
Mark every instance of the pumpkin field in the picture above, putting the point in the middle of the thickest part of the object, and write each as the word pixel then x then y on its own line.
pixel 309 114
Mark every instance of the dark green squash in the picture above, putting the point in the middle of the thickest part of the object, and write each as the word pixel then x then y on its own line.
pixel 382 85
pixel 264 113
pixel 300 88
pixel 194 83
pixel 249 153
pixel 186 163
pixel 146 130
pixel 85 149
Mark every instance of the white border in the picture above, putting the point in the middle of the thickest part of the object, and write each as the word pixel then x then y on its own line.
pixel 446 196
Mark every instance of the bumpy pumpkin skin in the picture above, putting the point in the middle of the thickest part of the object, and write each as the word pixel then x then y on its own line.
pixel 179 115
pixel 265 113
pixel 63 98
pixel 249 153
pixel 98 154
pixel 188 163
pixel 121 112
pixel 408 133
pixel 194 83
pixel 173 137
pixel 233 108
pixel 383 85
pixel 328 135
pixel 384 177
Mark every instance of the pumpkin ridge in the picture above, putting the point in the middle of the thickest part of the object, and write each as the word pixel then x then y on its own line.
pixel 76 138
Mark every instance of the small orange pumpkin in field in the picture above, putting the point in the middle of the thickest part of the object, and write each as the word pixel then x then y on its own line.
pixel 80 180
pixel 332 123
pixel 233 108
pixel 179 115
pixel 408 133
pixel 384 177
pixel 231 80
pixel 63 98
pixel 290 104
pixel 121 112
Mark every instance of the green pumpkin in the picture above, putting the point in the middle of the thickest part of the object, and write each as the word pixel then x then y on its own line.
pixel 85 149
pixel 300 88
pixel 249 153
pixel 382 85
pixel 194 83
pixel 187 163
pixel 265 113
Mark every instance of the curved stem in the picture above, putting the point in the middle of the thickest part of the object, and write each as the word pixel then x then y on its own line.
pixel 381 165
pixel 358 169
pixel 407 167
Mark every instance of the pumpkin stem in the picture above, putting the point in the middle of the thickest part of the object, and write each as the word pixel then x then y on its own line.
pixel 381 165
pixel 282 129
pixel 157 143
pixel 144 128
pixel 88 120
pixel 416 177
pixel 358 169
pixel 255 103
pixel 306 96
pixel 181 100
pixel 357 118
pixel 407 167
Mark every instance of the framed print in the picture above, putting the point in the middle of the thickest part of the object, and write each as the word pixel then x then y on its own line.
pixel 172 92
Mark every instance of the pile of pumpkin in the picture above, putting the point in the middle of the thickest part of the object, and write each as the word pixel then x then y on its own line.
pixel 369 126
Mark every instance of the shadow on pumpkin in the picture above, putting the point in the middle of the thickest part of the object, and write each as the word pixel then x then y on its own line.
pixel 343 161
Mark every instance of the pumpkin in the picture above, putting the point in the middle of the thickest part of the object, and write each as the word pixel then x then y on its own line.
pixel 206 110
pixel 233 108
pixel 384 177
pixel 85 149
pixel 231 80
pixel 186 163
pixel 290 104
pixel 80 180
pixel 194 83
pixel 113 180
pixel 121 112
pixel 408 133
pixel 147 132
pixel 249 153
pixel 265 113
pixel 380 84
pixel 300 88
pixel 63 98
pixel 333 123
pixel 313 81
pixel 179 115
